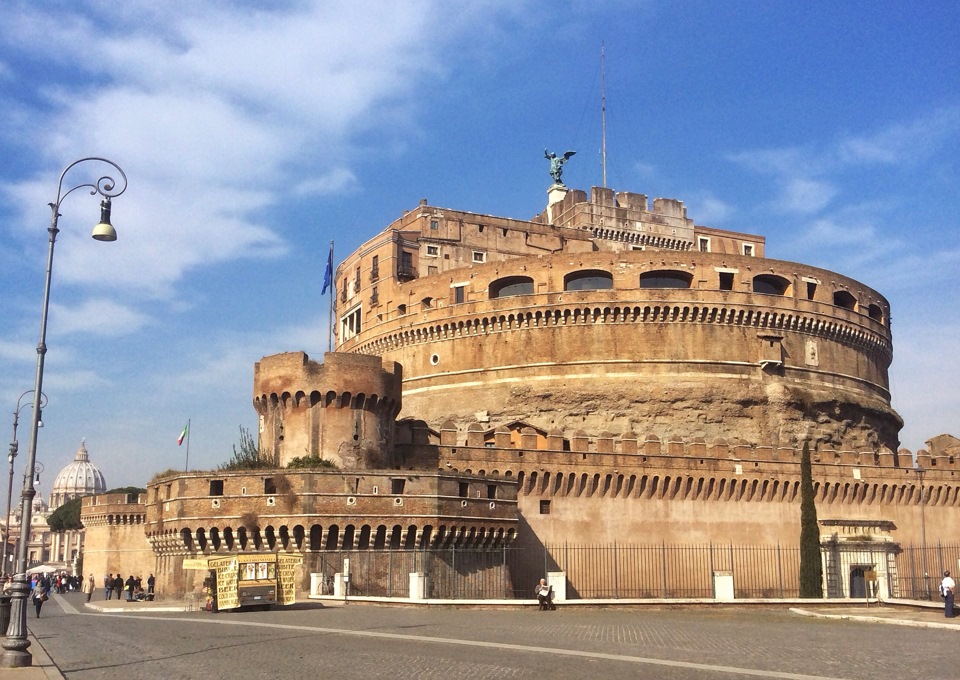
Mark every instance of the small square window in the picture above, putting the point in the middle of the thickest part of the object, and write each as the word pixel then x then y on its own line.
pixel 216 487
pixel 269 486
pixel 726 280
pixel 433 251
pixel 479 256
pixel 434 224
pixel 703 243
pixel 492 490
pixel 748 249
pixel 396 486
pixel 464 489
pixel 544 507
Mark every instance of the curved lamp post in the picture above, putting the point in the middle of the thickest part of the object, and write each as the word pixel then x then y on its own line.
pixel 16 643
pixel 12 456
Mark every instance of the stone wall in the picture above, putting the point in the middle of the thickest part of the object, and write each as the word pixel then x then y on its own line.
pixel 114 538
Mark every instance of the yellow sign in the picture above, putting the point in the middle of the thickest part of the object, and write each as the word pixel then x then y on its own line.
pixel 197 563
pixel 227 569
pixel 286 578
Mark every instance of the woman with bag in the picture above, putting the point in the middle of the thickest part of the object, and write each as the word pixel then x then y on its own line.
pixel 40 594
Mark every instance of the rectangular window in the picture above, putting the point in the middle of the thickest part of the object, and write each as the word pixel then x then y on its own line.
pixel 703 243
pixel 458 295
pixel 726 280
pixel 350 324
pixel 216 487
pixel 811 290
pixel 544 507
pixel 375 268
pixel 434 224
pixel 269 486
pixel 374 298
pixel 433 251
pixel 748 249
pixel 491 490
pixel 479 256
pixel 464 489
pixel 396 486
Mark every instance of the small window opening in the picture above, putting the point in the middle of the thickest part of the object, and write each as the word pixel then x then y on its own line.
pixel 269 486
pixel 491 490
pixel 396 486
pixel 726 280
pixel 464 489
pixel 544 507
pixel 811 290
pixel 216 487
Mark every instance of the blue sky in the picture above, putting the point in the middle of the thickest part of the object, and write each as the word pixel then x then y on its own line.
pixel 251 137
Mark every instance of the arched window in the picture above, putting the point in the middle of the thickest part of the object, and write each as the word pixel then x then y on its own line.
pixel 844 299
pixel 665 278
pixel 768 284
pixel 875 313
pixel 588 280
pixel 511 285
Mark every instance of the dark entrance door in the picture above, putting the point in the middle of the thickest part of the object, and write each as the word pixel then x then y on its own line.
pixel 858 584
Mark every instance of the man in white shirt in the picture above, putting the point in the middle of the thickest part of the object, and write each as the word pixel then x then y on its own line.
pixel 947 586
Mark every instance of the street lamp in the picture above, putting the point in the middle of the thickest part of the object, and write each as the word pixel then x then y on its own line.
pixel 12 456
pixel 15 645
pixel 920 470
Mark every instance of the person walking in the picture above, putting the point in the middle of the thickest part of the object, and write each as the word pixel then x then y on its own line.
pixel 89 586
pixel 41 592
pixel 129 586
pixel 947 586
pixel 118 585
pixel 107 587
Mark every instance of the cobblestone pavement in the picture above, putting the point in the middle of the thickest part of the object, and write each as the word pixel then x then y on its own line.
pixel 370 641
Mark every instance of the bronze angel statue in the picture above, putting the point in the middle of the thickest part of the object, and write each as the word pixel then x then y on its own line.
pixel 556 163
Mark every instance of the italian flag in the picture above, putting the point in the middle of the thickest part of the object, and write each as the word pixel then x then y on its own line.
pixel 182 435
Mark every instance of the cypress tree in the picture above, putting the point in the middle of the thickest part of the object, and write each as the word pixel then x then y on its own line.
pixel 811 568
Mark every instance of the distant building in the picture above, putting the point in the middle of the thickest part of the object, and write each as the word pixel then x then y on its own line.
pixel 61 549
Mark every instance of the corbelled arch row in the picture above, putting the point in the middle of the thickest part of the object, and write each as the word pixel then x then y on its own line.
pixel 307 538
pixel 385 407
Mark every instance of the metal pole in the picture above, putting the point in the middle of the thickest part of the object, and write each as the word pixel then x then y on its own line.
pixel 16 643
pixel 923 532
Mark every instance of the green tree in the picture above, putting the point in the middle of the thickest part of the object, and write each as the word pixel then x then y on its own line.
pixel 811 567
pixel 249 456
pixel 66 517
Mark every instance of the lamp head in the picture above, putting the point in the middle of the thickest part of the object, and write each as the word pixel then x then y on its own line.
pixel 105 231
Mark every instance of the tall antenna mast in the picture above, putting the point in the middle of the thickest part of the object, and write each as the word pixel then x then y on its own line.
pixel 603 112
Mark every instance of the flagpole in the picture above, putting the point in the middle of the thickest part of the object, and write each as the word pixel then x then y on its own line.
pixel 333 291
pixel 187 463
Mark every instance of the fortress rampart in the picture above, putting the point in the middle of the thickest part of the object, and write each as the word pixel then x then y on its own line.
pixel 307 511
pixel 630 489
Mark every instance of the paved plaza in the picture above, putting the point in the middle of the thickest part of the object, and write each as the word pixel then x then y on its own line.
pixel 362 640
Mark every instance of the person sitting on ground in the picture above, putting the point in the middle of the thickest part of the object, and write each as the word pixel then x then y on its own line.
pixel 545 595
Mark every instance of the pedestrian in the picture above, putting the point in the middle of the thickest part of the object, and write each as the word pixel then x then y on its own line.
pixel 107 587
pixel 41 592
pixel 150 583
pixel 129 586
pixel 89 586
pixel 118 585
pixel 947 586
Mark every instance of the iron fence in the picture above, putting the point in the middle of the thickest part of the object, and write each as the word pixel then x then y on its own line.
pixel 592 571
pixel 920 569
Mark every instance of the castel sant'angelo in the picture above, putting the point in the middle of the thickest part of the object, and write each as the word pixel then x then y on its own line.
pixel 607 372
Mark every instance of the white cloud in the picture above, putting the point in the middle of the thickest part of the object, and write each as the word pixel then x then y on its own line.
pixel 800 195
pixel 905 143
pixel 98 316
